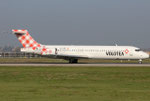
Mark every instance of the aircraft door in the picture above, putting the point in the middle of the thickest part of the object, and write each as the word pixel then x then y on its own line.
pixel 56 51
pixel 130 53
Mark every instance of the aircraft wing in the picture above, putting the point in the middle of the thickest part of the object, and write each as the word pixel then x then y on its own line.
pixel 64 56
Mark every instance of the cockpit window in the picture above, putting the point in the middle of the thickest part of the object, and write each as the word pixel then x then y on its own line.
pixel 137 50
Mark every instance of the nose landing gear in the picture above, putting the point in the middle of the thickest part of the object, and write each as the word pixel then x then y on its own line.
pixel 140 61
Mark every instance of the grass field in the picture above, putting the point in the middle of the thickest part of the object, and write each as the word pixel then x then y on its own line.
pixel 74 84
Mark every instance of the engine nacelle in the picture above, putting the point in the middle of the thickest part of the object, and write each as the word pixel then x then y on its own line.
pixel 39 50
pixel 27 50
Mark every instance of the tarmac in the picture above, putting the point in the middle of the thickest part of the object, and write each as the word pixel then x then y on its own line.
pixel 78 65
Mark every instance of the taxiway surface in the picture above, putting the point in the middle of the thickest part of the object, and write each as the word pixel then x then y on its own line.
pixel 81 65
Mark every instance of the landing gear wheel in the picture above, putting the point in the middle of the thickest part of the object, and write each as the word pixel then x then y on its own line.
pixel 73 60
pixel 140 61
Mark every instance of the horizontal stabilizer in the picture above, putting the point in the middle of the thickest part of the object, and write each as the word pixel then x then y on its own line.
pixel 29 50
pixel 19 31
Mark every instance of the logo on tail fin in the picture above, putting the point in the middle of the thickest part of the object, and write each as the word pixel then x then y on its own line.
pixel 25 39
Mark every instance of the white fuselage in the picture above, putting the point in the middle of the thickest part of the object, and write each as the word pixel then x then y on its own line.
pixel 96 52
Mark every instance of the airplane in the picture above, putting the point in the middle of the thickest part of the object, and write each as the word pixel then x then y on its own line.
pixel 73 53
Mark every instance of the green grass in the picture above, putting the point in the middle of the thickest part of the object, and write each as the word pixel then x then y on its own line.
pixel 31 60
pixel 74 84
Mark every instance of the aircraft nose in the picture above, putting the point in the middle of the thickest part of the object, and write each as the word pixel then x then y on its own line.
pixel 147 55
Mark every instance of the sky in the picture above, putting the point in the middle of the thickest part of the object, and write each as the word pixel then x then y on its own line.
pixel 77 22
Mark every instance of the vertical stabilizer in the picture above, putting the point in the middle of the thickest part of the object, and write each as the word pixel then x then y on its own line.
pixel 25 39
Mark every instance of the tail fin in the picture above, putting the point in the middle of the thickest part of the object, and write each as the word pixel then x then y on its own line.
pixel 25 39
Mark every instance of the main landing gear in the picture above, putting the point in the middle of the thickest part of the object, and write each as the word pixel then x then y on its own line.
pixel 73 60
pixel 140 61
